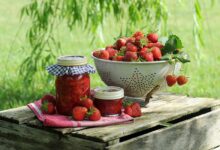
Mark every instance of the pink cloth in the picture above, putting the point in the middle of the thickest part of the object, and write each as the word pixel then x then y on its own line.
pixel 57 120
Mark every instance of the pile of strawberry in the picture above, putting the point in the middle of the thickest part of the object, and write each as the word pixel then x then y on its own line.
pixel 86 109
pixel 138 47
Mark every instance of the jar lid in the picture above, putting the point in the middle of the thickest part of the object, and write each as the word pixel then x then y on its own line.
pixel 71 60
pixel 108 93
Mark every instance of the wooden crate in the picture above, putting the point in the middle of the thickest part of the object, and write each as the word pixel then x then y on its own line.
pixel 170 122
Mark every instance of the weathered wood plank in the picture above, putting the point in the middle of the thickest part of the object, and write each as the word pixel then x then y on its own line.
pixel 153 115
pixel 157 99
pixel 19 115
pixel 22 137
pixel 199 133
pixel 37 124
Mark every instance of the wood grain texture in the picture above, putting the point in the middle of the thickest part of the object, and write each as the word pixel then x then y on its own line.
pixel 18 115
pixel 157 112
pixel 14 136
pixel 37 124
pixel 199 133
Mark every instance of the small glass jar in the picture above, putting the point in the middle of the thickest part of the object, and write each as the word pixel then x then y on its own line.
pixel 109 100
pixel 72 82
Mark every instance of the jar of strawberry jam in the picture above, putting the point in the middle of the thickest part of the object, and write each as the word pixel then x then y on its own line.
pixel 109 100
pixel 72 82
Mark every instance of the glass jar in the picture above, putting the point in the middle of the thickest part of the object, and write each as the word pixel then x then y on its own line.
pixel 72 82
pixel 69 90
pixel 109 100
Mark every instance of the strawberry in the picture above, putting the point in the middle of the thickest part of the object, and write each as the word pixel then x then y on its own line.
pixel 140 41
pixel 112 52
pixel 132 109
pixel 86 102
pixel 48 108
pixel 150 45
pixel 79 113
pixel 138 34
pixel 104 54
pixel 156 53
pixel 128 110
pixel 152 37
pixel 131 47
pixel 181 80
pixel 136 109
pixel 145 49
pixel 94 114
pixel 118 58
pixel 142 53
pixel 120 42
pixel 148 56
pixel 130 56
pixel 130 40
pixel 96 53
pixel 48 98
pixel 171 80
pixel 158 44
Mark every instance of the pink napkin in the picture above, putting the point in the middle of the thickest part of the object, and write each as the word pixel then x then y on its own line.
pixel 57 120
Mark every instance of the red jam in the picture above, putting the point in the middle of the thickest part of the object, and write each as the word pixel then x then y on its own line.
pixel 109 100
pixel 109 107
pixel 69 90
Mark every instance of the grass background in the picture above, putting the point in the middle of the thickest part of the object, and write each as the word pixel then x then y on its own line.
pixel 203 70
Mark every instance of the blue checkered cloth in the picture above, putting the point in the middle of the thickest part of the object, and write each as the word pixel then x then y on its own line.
pixel 58 70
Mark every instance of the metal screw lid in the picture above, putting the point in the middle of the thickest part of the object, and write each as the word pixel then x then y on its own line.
pixel 108 93
pixel 71 60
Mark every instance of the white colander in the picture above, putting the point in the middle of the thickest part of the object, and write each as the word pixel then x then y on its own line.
pixel 136 78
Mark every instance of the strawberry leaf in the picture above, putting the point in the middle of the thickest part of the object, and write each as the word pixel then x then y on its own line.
pixel 90 112
pixel 122 51
pixel 44 106
pixel 172 44
pixel 127 103
pixel 83 98
pixel 143 42
pixel 140 59
pixel 168 57
pixel 182 57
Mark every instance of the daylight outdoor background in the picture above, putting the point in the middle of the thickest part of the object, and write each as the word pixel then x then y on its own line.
pixel 203 71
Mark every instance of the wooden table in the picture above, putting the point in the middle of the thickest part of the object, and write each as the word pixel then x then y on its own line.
pixel 170 122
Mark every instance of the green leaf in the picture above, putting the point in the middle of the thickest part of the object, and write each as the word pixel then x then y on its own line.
pixel 143 42
pixel 168 57
pixel 140 59
pixel 182 57
pixel 172 44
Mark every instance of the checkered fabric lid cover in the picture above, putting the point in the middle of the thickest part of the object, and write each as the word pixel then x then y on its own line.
pixel 70 65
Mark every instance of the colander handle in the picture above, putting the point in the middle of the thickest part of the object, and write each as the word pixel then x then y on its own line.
pixel 149 95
